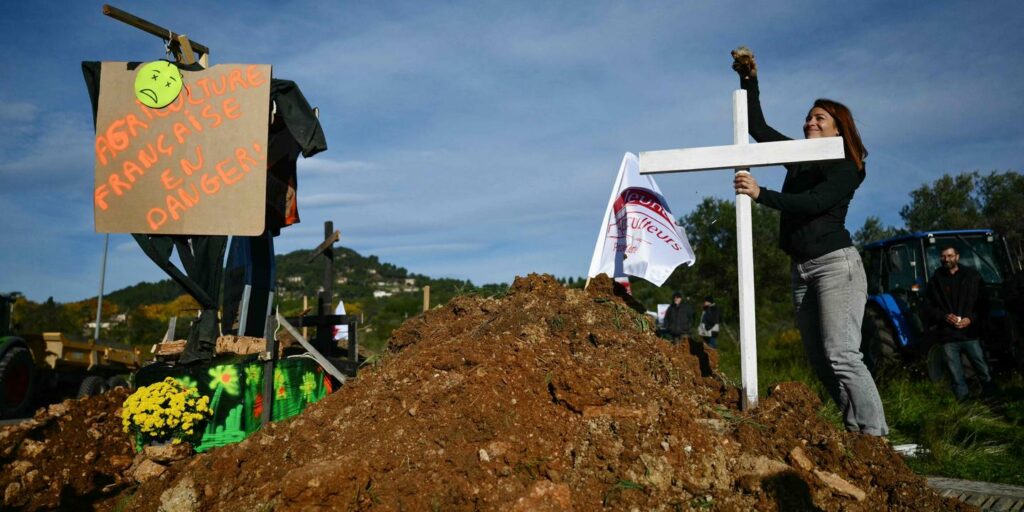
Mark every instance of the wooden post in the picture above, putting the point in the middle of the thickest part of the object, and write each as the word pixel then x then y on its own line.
pixel 269 362
pixel 329 268
pixel 325 299
pixel 325 337
pixel 426 298
pixel 305 307
pixel 187 56
pixel 161 32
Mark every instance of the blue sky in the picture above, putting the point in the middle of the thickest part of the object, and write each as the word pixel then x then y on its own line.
pixel 480 140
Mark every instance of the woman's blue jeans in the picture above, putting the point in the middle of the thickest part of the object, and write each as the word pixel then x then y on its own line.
pixel 829 294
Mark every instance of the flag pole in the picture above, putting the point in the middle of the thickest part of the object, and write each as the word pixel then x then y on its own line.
pixel 99 297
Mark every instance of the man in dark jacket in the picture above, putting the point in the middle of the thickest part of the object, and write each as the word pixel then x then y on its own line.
pixel 678 318
pixel 708 325
pixel 954 296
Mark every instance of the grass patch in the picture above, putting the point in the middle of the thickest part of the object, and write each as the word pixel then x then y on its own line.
pixel 702 503
pixel 612 494
pixel 532 468
pixel 972 440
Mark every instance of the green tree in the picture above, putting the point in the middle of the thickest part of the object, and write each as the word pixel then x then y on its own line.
pixel 1000 195
pixel 711 229
pixel 970 200
pixel 874 230
pixel 50 316
pixel 948 203
pixel 138 328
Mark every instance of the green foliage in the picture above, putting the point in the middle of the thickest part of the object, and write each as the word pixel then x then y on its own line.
pixel 32 318
pixel 711 229
pixel 969 200
pixel 702 502
pixel 873 230
pixel 1001 205
pixel 138 328
pixel 146 305
pixel 948 203
pixel 142 294
pixel 613 493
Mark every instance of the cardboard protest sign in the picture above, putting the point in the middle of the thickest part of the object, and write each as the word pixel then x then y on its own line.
pixel 196 166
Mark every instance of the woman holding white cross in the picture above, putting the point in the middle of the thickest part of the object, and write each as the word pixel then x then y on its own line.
pixel 829 286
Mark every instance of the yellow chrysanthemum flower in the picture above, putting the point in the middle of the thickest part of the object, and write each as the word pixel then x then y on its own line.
pixel 164 410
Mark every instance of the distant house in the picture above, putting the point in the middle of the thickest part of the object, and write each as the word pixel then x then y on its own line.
pixel 372 271
pixel 293 279
pixel 409 281
pixel 117 319
pixel 379 294
pixel 342 280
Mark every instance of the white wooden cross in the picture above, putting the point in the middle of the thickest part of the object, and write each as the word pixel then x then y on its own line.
pixel 741 156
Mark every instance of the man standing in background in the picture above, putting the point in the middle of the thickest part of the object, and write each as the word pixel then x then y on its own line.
pixel 954 295
pixel 678 319
pixel 708 326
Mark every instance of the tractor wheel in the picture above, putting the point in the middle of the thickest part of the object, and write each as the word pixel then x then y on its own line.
pixel 17 379
pixel 117 381
pixel 91 386
pixel 937 371
pixel 878 344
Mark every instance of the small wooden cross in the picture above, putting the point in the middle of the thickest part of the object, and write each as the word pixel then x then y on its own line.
pixel 741 156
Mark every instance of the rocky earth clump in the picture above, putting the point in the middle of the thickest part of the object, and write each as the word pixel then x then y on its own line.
pixel 68 454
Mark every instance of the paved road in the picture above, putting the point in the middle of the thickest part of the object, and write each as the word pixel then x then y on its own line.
pixel 997 497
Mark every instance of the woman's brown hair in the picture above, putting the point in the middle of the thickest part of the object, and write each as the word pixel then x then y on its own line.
pixel 855 150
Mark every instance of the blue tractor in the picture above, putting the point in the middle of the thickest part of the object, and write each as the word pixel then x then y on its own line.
pixel 899 270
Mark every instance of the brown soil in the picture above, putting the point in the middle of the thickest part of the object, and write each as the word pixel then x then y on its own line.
pixel 546 399
pixel 67 456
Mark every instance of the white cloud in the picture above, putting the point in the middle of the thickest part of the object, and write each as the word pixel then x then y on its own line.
pixel 334 200
pixel 427 248
pixel 324 165
pixel 13 112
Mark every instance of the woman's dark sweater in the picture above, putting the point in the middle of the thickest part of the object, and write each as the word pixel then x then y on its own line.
pixel 815 196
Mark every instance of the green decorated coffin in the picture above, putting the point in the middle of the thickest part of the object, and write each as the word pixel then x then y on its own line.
pixel 235 387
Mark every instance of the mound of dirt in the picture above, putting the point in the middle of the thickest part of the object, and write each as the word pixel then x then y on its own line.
pixel 69 455
pixel 545 399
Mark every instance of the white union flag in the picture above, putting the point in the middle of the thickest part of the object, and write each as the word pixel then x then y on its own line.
pixel 639 236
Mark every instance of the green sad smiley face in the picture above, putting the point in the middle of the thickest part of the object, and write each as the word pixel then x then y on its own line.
pixel 157 84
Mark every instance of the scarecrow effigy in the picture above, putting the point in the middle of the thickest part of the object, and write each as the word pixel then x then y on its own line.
pixel 188 155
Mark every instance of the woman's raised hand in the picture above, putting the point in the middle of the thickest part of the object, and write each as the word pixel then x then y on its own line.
pixel 743 62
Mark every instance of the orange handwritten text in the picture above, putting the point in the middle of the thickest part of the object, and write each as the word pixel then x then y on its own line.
pixel 184 196
pixel 137 151
pixel 117 137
